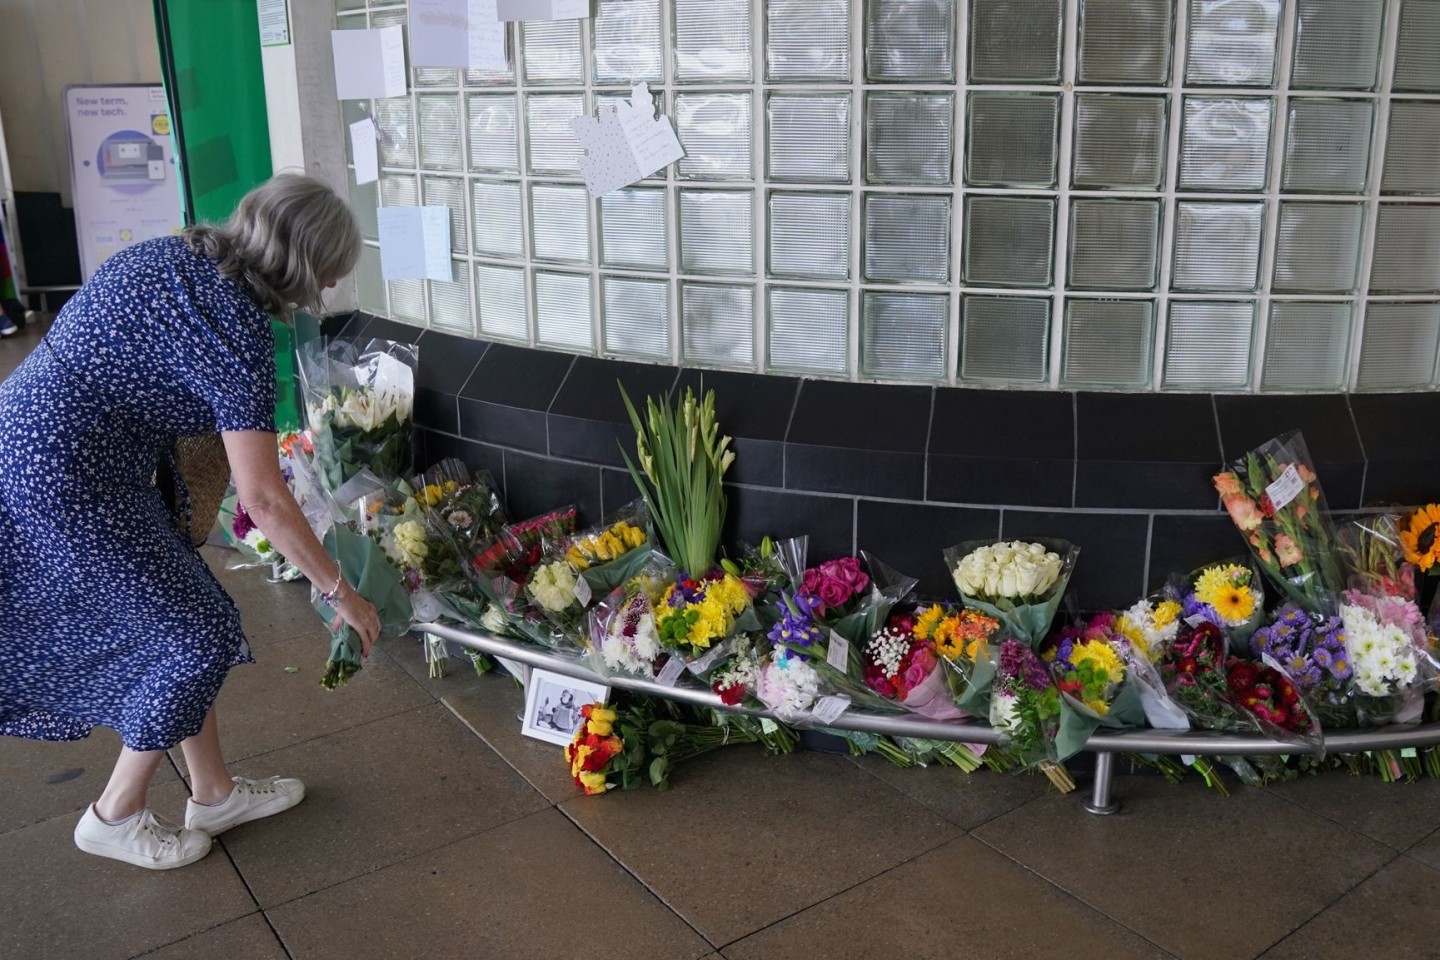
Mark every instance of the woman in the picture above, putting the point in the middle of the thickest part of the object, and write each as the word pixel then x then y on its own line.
pixel 117 621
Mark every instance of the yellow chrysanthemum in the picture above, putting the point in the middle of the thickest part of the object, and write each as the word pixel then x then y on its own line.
pixel 1131 631
pixel 1216 581
pixel 1099 706
pixel 1100 656
pixel 927 622
pixel 1165 613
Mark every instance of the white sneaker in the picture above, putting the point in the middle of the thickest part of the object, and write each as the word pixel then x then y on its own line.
pixel 145 840
pixel 250 800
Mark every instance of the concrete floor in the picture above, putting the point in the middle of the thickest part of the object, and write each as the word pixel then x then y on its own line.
pixel 433 829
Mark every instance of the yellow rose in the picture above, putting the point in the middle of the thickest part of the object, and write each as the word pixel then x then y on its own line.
pixel 601 728
pixel 593 782
pixel 603 714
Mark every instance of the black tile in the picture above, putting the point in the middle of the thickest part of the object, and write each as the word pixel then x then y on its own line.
pixel 1329 431
pixel 1401 435
pixel 592 390
pixel 1040 423
pixel 1405 482
pixel 1035 466
pixel 446 361
pixel 1012 481
pixel 870 473
pixel 588 421
pixel 616 489
pixel 757 462
pixel 518 427
pixel 755 513
pixel 746 404
pixel 343 324
pixel 436 410
pixel 381 328
pixel 476 456
pixel 534 485
pixel 518 377
pixel 862 416
pixel 1395 426
pixel 1110 573
pixel 1144 450
pixel 1182 544
pixel 912 537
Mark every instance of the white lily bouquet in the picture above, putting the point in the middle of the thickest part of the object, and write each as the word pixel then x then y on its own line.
pixel 360 406
pixel 1018 583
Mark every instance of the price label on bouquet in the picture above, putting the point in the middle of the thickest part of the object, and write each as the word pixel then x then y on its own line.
pixel 828 709
pixel 1286 488
pixel 670 673
pixel 701 666
pixel 583 593
pixel 838 654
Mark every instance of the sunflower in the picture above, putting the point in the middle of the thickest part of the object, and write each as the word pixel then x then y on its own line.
pixel 1422 539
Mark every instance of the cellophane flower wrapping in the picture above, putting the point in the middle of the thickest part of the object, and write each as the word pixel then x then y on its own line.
pixel 359 403
pixel 1228 593
pixel 909 659
pixel 1020 583
pixel 1389 642
pixel 850 598
pixel 768 570
pixel 1273 496
pixel 501 570
pixel 371 574
pixel 624 638
pixel 608 555
pixel 1025 707
pixel 460 511
pixel 1088 663
pixel 1149 627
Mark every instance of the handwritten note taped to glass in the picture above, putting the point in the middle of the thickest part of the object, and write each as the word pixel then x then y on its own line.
pixel 457 33
pixel 363 147
pixel 625 143
pixel 544 9
pixel 369 64
pixel 415 243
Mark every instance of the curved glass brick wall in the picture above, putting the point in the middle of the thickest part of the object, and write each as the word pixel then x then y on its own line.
pixel 1234 195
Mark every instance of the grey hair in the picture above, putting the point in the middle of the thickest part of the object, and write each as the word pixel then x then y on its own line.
pixel 287 239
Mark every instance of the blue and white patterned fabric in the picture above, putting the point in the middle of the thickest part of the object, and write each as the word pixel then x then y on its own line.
pixel 108 615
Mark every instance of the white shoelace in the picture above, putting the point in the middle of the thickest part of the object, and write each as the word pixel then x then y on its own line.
pixel 158 827
pixel 256 786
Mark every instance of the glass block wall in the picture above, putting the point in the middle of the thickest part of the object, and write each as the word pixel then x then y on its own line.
pixel 1234 195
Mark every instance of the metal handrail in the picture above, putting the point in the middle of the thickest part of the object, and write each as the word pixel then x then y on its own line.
pixel 1186 742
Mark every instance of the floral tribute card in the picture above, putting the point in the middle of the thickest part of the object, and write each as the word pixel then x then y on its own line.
pixel 625 143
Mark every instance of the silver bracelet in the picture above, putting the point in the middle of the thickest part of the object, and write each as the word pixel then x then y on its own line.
pixel 333 596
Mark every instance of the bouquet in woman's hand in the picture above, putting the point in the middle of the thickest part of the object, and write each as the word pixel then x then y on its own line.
pixel 1273 496
pixel 365 567
pixel 1025 706
pixel 359 406
pixel 1088 663
pixel 1018 583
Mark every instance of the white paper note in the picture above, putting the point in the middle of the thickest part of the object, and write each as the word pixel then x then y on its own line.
pixel 583 593
pixel 363 146
pixel 838 653
pixel 828 709
pixel 369 64
pixel 543 9
pixel 415 243
pixel 670 673
pixel 456 33
pixel 274 22
pixel 626 143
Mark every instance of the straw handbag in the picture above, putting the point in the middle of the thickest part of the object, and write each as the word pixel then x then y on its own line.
pixel 205 470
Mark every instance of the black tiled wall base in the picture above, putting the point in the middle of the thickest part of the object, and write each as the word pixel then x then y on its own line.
pixel 905 472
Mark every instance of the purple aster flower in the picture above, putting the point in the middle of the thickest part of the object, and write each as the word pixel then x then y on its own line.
pixel 1192 607
pixel 1341 667
pixel 1324 657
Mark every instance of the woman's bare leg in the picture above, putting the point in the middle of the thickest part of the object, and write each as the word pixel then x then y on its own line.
pixel 209 778
pixel 124 795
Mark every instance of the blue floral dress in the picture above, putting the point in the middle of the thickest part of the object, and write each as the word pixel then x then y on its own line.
pixel 108 615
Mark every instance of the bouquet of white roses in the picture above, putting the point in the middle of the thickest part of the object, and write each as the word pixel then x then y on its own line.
pixel 1018 583
pixel 359 407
